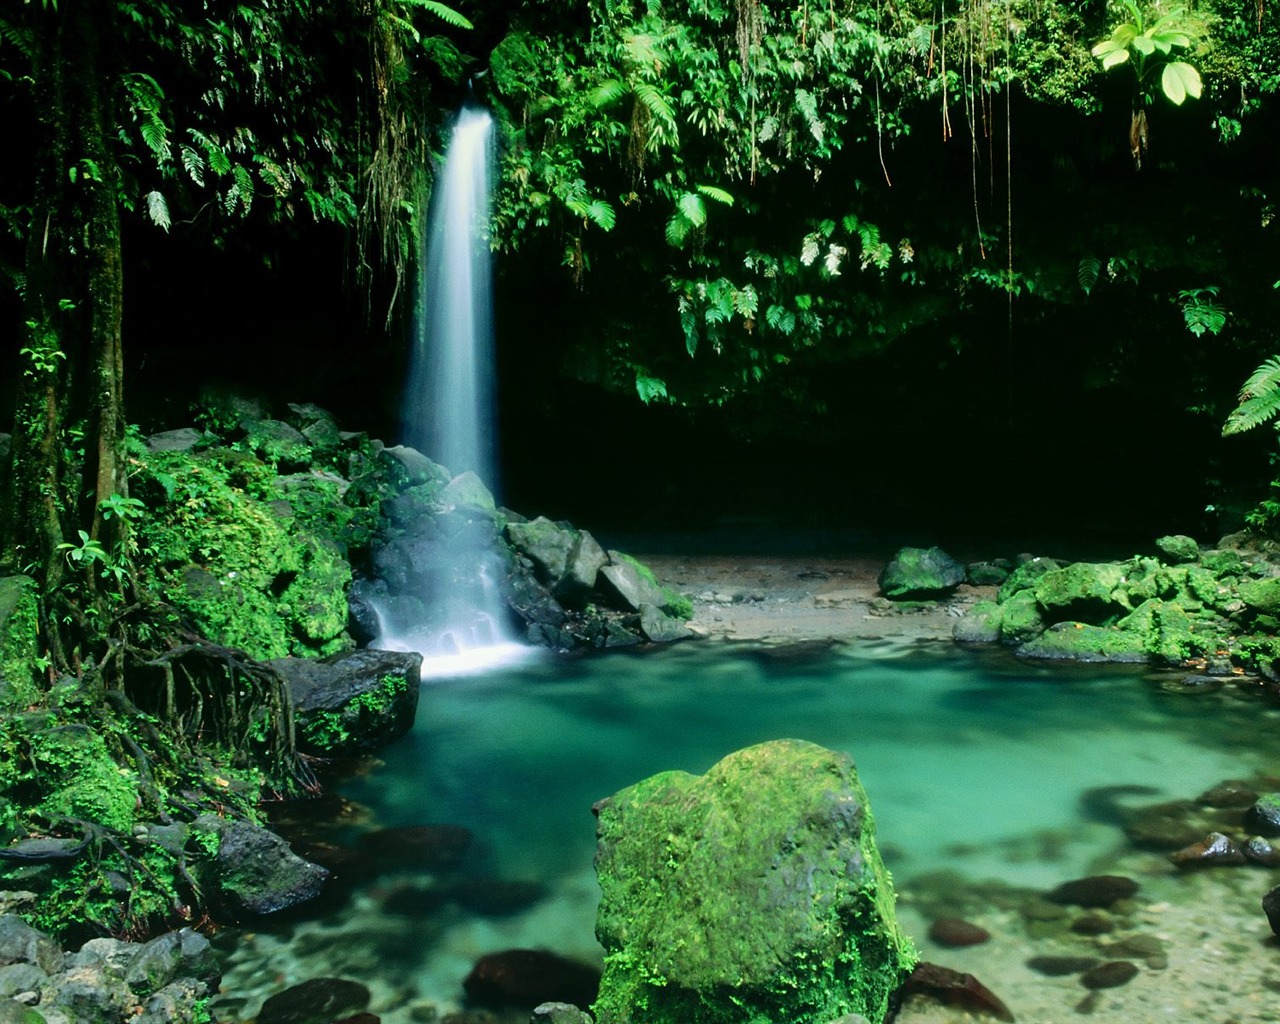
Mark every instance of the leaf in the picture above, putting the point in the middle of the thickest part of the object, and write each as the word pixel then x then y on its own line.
pixel 601 214
pixel 193 162
pixel 1087 273
pixel 607 92
pixel 649 388
pixel 1144 45
pixel 809 250
pixel 718 194
pixel 1180 80
pixel 1259 399
pixel 156 135
pixel 835 253
pixel 1115 58
pixel 689 324
pixel 780 319
pixel 693 208
pixel 678 228
pixel 158 210
pixel 446 14
pixel 746 302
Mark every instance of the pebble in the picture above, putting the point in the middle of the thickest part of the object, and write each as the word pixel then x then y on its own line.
pixel 1261 852
pixel 956 932
pixel 1229 793
pixel 1093 924
pixel 1111 974
pixel 1213 850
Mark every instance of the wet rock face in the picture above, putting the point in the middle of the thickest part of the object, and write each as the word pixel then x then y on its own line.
pixel 754 891
pixel 256 871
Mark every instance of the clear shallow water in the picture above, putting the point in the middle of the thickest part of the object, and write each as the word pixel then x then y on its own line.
pixel 973 762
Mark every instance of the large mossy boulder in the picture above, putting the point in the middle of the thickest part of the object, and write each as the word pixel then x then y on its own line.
pixel 352 703
pixel 1082 591
pixel 752 893
pixel 920 574
pixel 1080 641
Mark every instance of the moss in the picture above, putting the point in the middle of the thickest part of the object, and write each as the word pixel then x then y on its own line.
pixel 1024 577
pixel 674 603
pixel 1021 619
pixel 81 779
pixel 18 643
pixel 333 730
pixel 1083 591
pixel 1079 641
pixel 752 893
pixel 222 545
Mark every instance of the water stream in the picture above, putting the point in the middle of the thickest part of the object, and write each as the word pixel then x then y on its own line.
pixel 975 764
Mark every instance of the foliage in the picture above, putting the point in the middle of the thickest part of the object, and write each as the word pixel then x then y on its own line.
pixel 1258 401
pixel 1146 42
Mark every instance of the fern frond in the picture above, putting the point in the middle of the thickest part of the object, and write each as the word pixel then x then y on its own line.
pixel 446 14
pixel 718 194
pixel 693 208
pixel 678 228
pixel 607 92
pixel 158 210
pixel 649 388
pixel 601 214
pixel 1087 273
pixel 689 324
pixel 193 162
pixel 661 111
pixel 1259 399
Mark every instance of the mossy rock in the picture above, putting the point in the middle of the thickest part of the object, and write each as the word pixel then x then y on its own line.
pixel 1083 592
pixel 80 779
pixel 915 573
pixel 18 643
pixel 1021 619
pixel 981 624
pixel 1080 641
pixel 1024 577
pixel 1262 596
pixel 1178 548
pixel 752 893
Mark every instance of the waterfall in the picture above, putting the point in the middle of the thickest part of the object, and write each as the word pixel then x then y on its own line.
pixel 457 618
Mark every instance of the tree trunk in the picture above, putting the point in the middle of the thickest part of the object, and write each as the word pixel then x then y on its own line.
pixel 69 422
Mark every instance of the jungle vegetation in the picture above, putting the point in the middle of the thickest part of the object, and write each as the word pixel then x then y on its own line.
pixel 773 215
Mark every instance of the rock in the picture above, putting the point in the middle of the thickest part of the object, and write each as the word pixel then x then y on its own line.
pixel 1020 619
pixel 467 490
pixel 1078 641
pixel 495 897
pixel 18 978
pixel 22 944
pixel 1264 816
pixel 1230 793
pixel 1059 966
pixel 1192 685
pixel 315 1001
pixel 1093 924
pixel 1094 891
pixel 354 702
pixel 1082 592
pixel 658 627
pixel 956 932
pixel 981 624
pixel 920 573
pixel 1024 576
pixel 1111 974
pixel 953 988
pixel 714 887
pixel 631 583
pixel 184 953
pixel 256 872
pixel 411 468
pixel 1138 945
pixel 987 574
pixel 527 978
pixel 1213 850
pixel 559 1013
pixel 1178 548
pixel 1261 852
pixel 1271 907
pixel 181 440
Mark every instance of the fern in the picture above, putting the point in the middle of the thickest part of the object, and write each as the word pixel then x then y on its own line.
pixel 835 253
pixel 193 162
pixel 607 93
pixel 809 108
pixel 243 186
pixel 649 388
pixel 746 302
pixel 718 194
pixel 661 111
pixel 689 324
pixel 446 14
pixel 1087 273
pixel 1259 399
pixel 693 208
pixel 158 210
pixel 780 319
pixel 678 228
pixel 601 214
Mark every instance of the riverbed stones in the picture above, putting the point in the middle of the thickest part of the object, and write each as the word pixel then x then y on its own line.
pixel 1271 907
pixel 1214 850
pixel 527 978
pixel 315 1001
pixel 1111 974
pixel 920 574
pixel 1264 816
pixel 752 892
pixel 1095 891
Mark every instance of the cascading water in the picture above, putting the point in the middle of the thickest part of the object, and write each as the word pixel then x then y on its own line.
pixel 457 619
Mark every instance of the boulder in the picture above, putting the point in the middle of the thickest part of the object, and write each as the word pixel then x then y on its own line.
pixel 920 574
pixel 1271 907
pixel 1078 641
pixel 255 871
pixel 567 561
pixel 980 624
pixel 22 944
pixel 527 978
pixel 183 439
pixel 354 702
pixel 631 583
pixel 1024 577
pixel 1020 618
pixel 315 1001
pixel 1082 592
pixel 1262 596
pixel 410 468
pixel 753 892
pixel 658 627
pixel 467 490
pixel 1178 548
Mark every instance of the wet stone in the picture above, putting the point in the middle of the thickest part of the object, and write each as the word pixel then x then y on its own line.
pixel 1264 816
pixel 1137 945
pixel 1261 852
pixel 1271 907
pixel 953 988
pixel 1095 891
pixel 1193 685
pixel 1060 966
pixel 1111 974
pixel 957 932
pixel 1229 793
pixel 1093 924
pixel 1215 849
pixel 1042 910
pixel 529 977
pixel 316 1001
pixel 1168 826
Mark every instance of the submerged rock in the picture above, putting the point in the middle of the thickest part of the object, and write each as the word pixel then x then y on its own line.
pixel 754 891
pixel 1111 974
pixel 920 573
pixel 527 978
pixel 956 932
pixel 1060 966
pixel 954 988
pixel 1264 816
pixel 1079 641
pixel 1271 907
pixel 1094 891
pixel 256 871
pixel 315 1001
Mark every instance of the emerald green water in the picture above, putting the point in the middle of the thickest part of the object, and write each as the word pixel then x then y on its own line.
pixel 973 761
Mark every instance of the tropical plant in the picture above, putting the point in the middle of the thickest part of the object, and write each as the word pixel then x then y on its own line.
pixel 1258 400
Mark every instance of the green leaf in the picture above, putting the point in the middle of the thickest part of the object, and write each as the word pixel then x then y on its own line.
pixel 446 14
pixel 1259 399
pixel 649 388
pixel 158 210
pixel 607 92
pixel 601 214
pixel 678 228
pixel 693 208
pixel 1144 45
pixel 1114 59
pixel 193 162
pixel 718 194
pixel 1180 80
pixel 1087 273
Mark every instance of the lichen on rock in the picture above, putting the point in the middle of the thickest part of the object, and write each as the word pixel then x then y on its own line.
pixel 752 893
